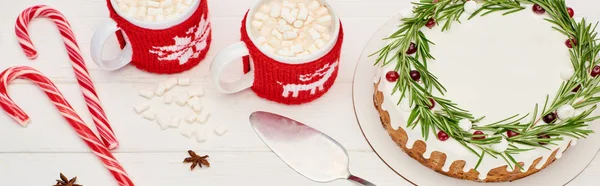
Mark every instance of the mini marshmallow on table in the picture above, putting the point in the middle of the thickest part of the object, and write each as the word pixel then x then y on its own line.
pixel 292 28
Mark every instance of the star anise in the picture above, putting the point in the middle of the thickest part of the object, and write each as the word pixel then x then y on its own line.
pixel 64 181
pixel 196 160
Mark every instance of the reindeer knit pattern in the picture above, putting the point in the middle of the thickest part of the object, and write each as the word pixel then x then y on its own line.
pixel 291 83
pixel 170 50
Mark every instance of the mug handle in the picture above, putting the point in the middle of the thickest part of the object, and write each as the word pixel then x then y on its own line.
pixel 225 58
pixel 97 47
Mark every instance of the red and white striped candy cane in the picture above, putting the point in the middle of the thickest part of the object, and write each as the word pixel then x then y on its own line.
pixel 83 77
pixel 65 109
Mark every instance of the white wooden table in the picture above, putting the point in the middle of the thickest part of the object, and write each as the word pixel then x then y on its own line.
pixel 35 155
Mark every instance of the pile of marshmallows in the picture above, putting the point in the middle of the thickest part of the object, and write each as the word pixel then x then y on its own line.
pixel 190 98
pixel 292 28
pixel 153 10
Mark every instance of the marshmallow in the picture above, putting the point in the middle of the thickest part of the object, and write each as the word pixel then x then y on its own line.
pixel 153 4
pixel 322 11
pixel 289 4
pixel 298 24
pixel 295 12
pixel 181 100
pixel 190 118
pixel 260 40
pixel 180 8
pixel 166 3
pixel 326 36
pixel 289 35
pixel 141 108
pixel 175 122
pixel 141 12
pixel 197 107
pixel 303 14
pixel 297 48
pixel 132 11
pixel 147 94
pixel 500 147
pixel 313 49
pixel 277 34
pixel 320 28
pixel 149 18
pixel 203 117
pixel 314 34
pixel 275 11
pixel 309 20
pixel 267 48
pixel 168 99
pixel 257 24
pixel 184 81
pixel 261 16
pixel 305 53
pixel 159 18
pixel 326 20
pixel 285 52
pixel 170 83
pixel 221 130
pixel 284 28
pixel 163 122
pixel 160 89
pixel 265 9
pixel 470 7
pixel 149 115
pixel 314 5
pixel 155 11
pixel 320 43
pixel 287 43
pixel 198 92
pixel 200 135
pixel 287 15
pixel 169 11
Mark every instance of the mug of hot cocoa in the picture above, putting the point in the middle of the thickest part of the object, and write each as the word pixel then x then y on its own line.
pixel 158 36
pixel 290 50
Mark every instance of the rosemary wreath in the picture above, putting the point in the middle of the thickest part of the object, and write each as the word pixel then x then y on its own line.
pixel 416 83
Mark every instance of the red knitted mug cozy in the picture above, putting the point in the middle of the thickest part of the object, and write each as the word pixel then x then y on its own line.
pixel 291 83
pixel 170 50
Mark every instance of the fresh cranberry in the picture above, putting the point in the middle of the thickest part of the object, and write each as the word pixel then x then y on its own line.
pixel 392 76
pixel 432 103
pixel 478 135
pixel 511 133
pixel 576 89
pixel 431 23
pixel 571 11
pixel 538 9
pixel 435 1
pixel 571 43
pixel 595 71
pixel 442 136
pixel 415 75
pixel 545 136
pixel 411 49
pixel 550 118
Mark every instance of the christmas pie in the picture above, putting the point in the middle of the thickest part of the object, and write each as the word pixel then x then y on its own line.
pixel 477 98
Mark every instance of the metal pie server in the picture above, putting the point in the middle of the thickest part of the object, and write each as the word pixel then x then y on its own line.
pixel 308 151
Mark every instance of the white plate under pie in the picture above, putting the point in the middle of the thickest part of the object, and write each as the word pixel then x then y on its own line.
pixel 563 170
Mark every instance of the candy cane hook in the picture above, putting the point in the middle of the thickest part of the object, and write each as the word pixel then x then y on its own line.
pixel 83 77
pixel 65 109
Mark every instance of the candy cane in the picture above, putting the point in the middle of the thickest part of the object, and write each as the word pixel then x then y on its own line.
pixel 83 77
pixel 65 109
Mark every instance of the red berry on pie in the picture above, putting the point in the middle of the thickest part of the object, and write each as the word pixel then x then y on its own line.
pixel 392 76
pixel 550 118
pixel 432 103
pixel 571 43
pixel 411 49
pixel 546 136
pixel 442 136
pixel 570 11
pixel 576 89
pixel 431 23
pixel 538 9
pixel 595 71
pixel 478 135
pixel 511 133
pixel 415 75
